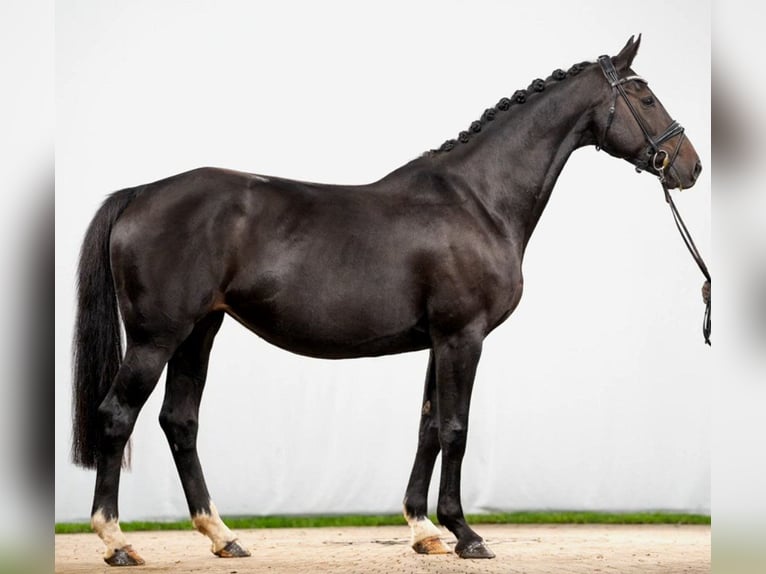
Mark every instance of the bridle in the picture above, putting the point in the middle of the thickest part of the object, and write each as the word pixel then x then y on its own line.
pixel 653 155
pixel 659 159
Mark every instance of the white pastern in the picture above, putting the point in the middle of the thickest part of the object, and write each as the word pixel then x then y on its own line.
pixel 213 527
pixel 421 528
pixel 109 531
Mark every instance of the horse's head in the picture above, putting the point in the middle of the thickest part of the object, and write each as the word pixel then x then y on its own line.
pixel 635 126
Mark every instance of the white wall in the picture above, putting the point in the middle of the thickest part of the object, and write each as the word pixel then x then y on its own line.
pixel 595 394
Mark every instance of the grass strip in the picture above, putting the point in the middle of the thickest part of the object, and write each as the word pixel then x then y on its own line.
pixel 244 522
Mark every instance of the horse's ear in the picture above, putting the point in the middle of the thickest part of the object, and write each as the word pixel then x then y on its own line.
pixel 624 59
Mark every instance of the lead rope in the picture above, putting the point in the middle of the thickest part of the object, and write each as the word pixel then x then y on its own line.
pixel 686 236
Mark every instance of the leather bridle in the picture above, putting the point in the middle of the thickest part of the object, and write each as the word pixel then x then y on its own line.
pixel 654 156
pixel 659 159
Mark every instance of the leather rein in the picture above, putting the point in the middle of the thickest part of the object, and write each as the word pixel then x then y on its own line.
pixel 661 162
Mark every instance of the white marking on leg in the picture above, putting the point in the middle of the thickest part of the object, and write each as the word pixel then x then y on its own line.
pixel 109 531
pixel 213 527
pixel 421 528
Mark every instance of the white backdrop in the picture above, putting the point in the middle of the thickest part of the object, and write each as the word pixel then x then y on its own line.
pixel 595 394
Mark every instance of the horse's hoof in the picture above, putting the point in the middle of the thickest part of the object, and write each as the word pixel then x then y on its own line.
pixel 431 545
pixel 125 556
pixel 232 550
pixel 474 550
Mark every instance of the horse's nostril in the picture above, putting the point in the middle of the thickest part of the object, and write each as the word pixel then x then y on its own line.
pixel 697 170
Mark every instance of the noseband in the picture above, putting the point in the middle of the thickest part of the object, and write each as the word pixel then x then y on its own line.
pixel 658 159
pixel 653 155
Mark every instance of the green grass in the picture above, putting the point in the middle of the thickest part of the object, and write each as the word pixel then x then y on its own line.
pixel 397 520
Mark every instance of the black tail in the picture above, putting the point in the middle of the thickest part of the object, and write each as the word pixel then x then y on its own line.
pixel 97 340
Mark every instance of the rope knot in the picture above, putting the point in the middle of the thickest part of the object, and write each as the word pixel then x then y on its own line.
pixel 520 96
pixel 448 145
pixel 488 115
pixel 576 69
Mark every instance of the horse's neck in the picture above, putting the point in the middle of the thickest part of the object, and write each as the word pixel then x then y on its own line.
pixel 513 167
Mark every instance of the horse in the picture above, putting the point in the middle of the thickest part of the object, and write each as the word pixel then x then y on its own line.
pixel 427 258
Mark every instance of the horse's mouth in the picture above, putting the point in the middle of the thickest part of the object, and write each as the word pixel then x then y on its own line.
pixel 674 181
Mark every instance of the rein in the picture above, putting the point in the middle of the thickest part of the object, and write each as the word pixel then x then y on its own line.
pixel 661 161
pixel 686 236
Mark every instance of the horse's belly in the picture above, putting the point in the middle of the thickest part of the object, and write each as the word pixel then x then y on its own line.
pixel 333 331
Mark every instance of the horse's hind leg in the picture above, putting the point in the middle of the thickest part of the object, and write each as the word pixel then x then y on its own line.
pixel 425 536
pixel 118 411
pixel 187 370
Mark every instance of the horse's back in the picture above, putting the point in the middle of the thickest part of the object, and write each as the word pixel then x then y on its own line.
pixel 319 269
pixel 270 251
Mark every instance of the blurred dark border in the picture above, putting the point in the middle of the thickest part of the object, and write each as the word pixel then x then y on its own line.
pixel 27 257
pixel 739 242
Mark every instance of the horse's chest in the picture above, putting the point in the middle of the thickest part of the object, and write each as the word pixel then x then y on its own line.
pixel 479 285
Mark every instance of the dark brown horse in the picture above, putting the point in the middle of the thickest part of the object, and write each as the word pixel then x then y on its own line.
pixel 429 257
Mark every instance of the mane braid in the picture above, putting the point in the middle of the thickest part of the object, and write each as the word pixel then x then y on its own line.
pixel 505 104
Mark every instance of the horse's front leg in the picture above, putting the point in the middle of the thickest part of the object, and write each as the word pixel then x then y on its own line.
pixel 456 358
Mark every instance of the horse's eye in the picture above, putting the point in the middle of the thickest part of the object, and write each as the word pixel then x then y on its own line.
pixel 647 100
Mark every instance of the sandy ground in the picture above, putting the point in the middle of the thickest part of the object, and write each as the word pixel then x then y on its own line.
pixel 535 549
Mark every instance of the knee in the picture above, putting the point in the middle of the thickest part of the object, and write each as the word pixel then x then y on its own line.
pixel 180 429
pixel 429 432
pixel 453 436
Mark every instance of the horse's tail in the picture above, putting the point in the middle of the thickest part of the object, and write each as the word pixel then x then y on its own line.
pixel 97 351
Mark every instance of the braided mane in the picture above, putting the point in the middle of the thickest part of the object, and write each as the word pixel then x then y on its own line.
pixel 518 97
